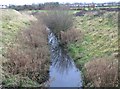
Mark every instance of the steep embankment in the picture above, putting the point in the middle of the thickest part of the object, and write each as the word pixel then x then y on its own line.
pixel 100 42
pixel 11 22
pixel 24 47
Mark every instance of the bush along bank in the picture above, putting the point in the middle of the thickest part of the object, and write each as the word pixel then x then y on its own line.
pixel 28 58
pixel 97 53
pixel 60 22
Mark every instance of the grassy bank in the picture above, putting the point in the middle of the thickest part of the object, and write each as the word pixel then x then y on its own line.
pixel 22 52
pixel 99 41
pixel 11 22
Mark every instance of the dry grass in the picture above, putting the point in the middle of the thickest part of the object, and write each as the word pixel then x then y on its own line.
pixel 102 72
pixel 29 57
pixel 11 22
pixel 58 20
pixel 100 37
pixel 1 71
pixel 71 36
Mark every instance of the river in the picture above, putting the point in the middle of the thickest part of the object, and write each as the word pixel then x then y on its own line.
pixel 63 71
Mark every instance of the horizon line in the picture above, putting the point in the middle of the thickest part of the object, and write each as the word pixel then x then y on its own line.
pixel 61 3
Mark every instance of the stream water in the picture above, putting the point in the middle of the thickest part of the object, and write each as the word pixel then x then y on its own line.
pixel 63 72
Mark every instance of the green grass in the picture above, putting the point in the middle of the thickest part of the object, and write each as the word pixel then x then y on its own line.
pixel 109 7
pixel 71 11
pixel 16 80
pixel 39 10
pixel 11 23
pixel 100 37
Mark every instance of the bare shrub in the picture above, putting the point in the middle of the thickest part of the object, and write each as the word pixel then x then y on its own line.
pixel 58 20
pixel 71 36
pixel 102 72
pixel 29 56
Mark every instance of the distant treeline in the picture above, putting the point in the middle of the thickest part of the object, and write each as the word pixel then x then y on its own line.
pixel 51 5
pixel 40 6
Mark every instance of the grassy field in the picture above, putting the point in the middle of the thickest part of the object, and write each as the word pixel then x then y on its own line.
pixel 100 38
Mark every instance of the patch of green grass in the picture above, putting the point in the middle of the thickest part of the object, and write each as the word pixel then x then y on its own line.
pixel 39 10
pixel 109 7
pixel 11 23
pixel 17 80
pixel 100 37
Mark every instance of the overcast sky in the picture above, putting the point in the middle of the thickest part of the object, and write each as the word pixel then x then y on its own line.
pixel 22 2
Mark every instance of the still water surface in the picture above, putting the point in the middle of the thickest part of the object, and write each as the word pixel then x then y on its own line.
pixel 63 72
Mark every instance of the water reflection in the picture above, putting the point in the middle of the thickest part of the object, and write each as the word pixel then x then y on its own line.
pixel 63 72
pixel 61 61
pixel 59 57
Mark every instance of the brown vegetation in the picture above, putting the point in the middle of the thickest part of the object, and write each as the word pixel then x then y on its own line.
pixel 29 57
pixel 58 20
pixel 102 72
pixel 71 36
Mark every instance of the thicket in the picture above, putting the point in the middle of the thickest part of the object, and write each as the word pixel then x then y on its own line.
pixel 40 6
pixel 93 55
pixel 60 22
pixel 28 57
pixel 102 72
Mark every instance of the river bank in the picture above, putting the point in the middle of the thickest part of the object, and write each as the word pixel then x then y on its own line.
pixel 91 42
pixel 25 60
pixel 99 42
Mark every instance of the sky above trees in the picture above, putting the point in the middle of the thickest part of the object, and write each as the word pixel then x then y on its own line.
pixel 22 2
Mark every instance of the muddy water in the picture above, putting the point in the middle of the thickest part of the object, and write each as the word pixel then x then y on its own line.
pixel 63 72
